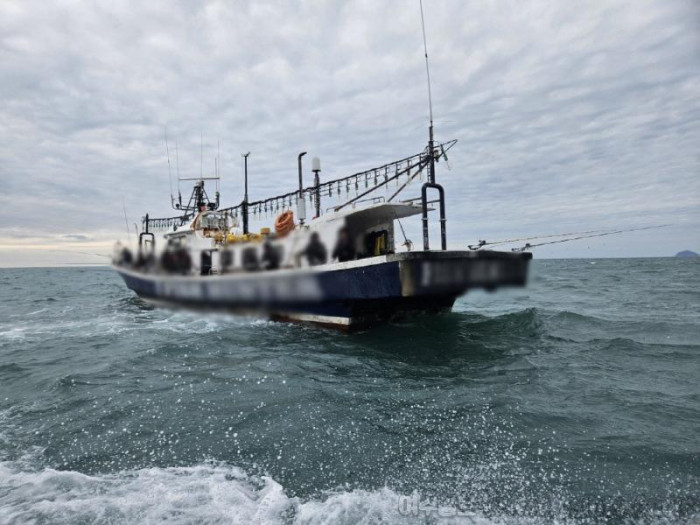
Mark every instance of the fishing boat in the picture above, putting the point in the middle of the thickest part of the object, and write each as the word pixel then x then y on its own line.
pixel 343 267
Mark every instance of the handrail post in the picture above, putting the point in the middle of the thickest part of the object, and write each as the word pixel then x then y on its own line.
pixel 245 193
pixel 426 239
pixel 301 205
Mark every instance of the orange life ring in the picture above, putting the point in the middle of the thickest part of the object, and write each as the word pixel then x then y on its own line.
pixel 284 223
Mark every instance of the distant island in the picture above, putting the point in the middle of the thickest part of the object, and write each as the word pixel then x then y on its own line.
pixel 687 253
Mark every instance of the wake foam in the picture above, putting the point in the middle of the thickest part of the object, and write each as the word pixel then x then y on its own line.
pixel 206 493
pixel 217 494
pixel 201 494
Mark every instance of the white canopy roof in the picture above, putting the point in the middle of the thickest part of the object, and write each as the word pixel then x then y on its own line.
pixel 375 213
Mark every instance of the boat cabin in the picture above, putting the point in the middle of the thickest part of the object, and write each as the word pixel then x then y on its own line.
pixel 212 241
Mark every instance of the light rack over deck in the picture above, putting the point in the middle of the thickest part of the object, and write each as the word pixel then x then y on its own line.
pixel 362 184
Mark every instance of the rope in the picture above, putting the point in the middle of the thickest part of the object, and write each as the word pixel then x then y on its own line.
pixel 529 246
pixel 78 251
pixel 481 243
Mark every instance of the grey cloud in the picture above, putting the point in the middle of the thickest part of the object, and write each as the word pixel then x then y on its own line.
pixel 567 116
pixel 76 237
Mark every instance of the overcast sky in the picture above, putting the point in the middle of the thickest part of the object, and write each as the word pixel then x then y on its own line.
pixel 570 116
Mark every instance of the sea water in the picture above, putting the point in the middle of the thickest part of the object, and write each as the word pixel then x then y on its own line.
pixel 574 400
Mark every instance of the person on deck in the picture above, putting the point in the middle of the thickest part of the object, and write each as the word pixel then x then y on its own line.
pixel 315 252
pixel 344 249
pixel 270 257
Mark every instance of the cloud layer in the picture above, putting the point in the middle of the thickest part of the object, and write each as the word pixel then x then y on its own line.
pixel 569 117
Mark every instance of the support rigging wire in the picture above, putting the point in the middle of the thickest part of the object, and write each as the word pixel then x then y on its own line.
pixel 170 175
pixel 444 148
pixel 177 169
pixel 78 251
pixel 372 179
pixel 126 221
pixel 420 164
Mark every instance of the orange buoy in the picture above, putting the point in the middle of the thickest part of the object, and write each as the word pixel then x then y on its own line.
pixel 284 223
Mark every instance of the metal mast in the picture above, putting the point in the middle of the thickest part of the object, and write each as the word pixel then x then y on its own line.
pixel 431 171
pixel 431 161
pixel 245 193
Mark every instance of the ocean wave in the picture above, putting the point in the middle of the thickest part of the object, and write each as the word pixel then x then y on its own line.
pixel 15 333
pixel 70 381
pixel 214 493
pixel 206 493
pixel 526 322
pixel 588 320
pixel 66 326
pixel 10 371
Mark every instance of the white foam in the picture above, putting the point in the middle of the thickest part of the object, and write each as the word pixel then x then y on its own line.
pixel 205 493
pixel 14 334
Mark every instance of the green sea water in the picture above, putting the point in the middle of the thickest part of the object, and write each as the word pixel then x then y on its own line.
pixel 574 400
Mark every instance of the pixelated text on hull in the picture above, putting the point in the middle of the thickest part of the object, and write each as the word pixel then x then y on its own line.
pixel 348 295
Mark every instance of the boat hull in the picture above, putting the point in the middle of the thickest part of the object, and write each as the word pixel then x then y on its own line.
pixel 350 296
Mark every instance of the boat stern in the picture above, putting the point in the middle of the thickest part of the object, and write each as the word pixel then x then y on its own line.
pixel 455 272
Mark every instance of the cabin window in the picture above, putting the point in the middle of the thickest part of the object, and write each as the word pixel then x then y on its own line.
pixel 212 221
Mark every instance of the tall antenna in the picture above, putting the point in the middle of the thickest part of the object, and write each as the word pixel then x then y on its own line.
pixel 177 167
pixel 431 159
pixel 431 143
pixel 201 155
pixel 170 176
pixel 427 66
